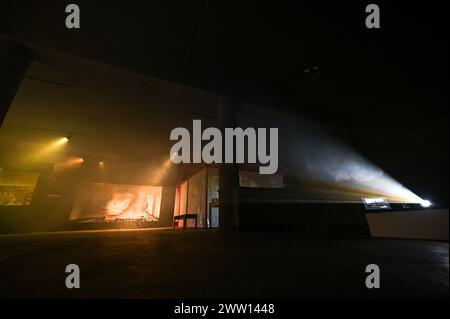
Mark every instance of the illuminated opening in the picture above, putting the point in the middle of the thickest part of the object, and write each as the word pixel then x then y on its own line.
pixel 17 188
pixel 112 202
pixel 199 196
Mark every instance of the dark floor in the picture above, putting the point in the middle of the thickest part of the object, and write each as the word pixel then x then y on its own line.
pixel 190 264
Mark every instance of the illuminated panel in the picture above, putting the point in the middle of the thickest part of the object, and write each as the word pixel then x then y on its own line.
pixel 111 202
pixel 16 188
pixel 375 203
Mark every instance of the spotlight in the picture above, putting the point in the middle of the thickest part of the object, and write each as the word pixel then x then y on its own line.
pixel 425 203
pixel 60 141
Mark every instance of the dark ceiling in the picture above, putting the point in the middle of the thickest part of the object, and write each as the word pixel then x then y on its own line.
pixel 258 51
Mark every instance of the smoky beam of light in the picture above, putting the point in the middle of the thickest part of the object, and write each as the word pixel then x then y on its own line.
pixel 69 162
pixel 50 149
pixel 333 171
pixel 161 172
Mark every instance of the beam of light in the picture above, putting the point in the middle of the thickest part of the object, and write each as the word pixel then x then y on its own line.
pixel 50 149
pixel 58 142
pixel 75 161
pixel 342 174
pixel 69 162
pixel 63 140
pixel 161 172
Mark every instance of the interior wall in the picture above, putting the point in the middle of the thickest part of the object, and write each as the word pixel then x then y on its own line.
pixel 213 194
pixel 166 210
pixel 180 204
pixel 197 198
pixel 280 209
pixel 256 180
pixel 430 224
pixel 45 211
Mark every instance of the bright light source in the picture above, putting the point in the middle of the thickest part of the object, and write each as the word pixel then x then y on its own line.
pixel 61 141
pixel 425 203
pixel 69 162
pixel 51 149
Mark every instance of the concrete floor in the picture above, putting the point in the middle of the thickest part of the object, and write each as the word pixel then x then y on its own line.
pixel 206 264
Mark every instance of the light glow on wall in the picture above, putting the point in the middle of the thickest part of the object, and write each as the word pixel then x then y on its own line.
pixel 50 149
